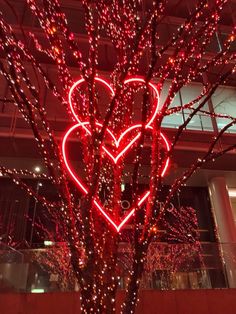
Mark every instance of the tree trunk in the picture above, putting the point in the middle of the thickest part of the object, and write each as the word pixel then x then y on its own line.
pixel 131 297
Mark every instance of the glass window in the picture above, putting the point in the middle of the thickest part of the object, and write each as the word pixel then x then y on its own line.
pixel 224 100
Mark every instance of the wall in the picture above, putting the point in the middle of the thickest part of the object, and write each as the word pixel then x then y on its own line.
pixel 151 302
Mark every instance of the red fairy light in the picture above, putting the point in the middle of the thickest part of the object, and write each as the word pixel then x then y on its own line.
pixel 117 142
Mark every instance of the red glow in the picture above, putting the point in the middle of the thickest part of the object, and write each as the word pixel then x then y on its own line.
pixel 117 142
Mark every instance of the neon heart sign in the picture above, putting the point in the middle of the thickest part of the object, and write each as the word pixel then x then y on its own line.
pixel 119 143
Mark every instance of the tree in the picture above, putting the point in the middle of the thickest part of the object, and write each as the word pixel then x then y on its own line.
pixel 144 63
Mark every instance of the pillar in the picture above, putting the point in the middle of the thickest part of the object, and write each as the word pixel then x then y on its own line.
pixel 226 229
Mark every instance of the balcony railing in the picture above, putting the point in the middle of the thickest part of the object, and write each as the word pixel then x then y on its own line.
pixel 47 268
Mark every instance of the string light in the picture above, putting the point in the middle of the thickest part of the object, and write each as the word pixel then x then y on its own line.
pixel 103 137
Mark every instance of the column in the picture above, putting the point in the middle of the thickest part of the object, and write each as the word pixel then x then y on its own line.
pixel 224 220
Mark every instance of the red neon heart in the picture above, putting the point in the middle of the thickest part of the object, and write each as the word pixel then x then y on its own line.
pixel 119 154
pixel 110 89
pixel 84 189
